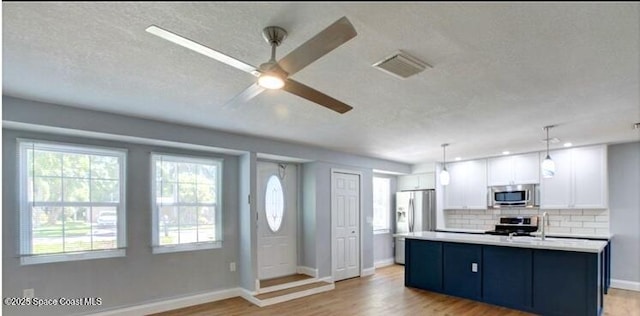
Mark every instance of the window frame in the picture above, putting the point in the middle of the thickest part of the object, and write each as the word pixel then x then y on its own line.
pixel 25 229
pixel 379 229
pixel 284 205
pixel 155 231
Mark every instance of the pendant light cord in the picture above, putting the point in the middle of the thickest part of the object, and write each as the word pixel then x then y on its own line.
pixel 444 159
pixel 547 128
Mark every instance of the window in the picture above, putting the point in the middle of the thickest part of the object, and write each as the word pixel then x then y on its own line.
pixel 381 204
pixel 274 203
pixel 72 202
pixel 186 195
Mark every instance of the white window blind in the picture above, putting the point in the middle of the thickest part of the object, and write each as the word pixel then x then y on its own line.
pixel 187 203
pixel 72 202
pixel 381 204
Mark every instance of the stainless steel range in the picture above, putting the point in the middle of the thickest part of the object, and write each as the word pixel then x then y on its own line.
pixel 518 225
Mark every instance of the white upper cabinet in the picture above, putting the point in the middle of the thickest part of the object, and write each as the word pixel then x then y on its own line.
pixel 468 186
pixel 516 169
pixel 580 180
pixel 556 192
pixel 422 181
pixel 590 177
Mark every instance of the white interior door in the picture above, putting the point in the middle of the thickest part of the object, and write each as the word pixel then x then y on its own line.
pixel 345 219
pixel 277 218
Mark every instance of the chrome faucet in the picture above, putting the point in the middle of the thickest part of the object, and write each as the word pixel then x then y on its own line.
pixel 545 222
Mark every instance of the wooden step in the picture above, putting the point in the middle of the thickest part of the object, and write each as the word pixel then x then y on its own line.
pixel 285 279
pixel 283 283
pixel 266 299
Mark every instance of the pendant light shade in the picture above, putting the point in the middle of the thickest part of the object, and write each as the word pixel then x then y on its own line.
pixel 444 174
pixel 548 166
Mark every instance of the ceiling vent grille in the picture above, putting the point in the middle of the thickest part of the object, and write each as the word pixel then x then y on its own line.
pixel 401 65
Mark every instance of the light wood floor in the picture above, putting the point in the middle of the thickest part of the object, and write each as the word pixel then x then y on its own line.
pixel 385 294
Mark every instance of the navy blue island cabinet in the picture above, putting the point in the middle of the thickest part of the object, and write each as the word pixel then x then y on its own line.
pixel 547 282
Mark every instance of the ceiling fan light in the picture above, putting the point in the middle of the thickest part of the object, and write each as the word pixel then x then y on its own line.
pixel 270 81
pixel 548 167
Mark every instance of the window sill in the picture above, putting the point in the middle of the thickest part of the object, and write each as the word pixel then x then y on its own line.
pixel 62 257
pixel 187 247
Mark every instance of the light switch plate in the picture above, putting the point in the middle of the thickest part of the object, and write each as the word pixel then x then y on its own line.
pixel 474 267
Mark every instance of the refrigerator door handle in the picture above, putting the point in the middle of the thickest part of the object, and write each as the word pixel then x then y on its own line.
pixel 411 214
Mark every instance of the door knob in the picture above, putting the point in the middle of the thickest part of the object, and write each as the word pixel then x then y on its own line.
pixel 353 231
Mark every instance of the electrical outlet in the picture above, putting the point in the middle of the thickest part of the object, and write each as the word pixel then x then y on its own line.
pixel 28 293
pixel 232 266
pixel 474 267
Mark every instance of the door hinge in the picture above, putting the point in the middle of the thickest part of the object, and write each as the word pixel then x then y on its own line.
pixel 249 198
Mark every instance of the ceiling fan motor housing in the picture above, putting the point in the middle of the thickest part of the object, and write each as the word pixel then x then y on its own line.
pixel 274 35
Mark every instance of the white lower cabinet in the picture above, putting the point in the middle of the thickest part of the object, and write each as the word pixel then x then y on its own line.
pixel 580 180
pixel 468 186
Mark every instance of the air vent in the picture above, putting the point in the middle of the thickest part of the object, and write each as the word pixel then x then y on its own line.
pixel 552 140
pixel 401 65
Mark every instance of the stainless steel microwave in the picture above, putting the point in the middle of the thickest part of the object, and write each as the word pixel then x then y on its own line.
pixel 519 195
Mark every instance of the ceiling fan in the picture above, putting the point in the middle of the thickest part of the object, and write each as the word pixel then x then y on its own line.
pixel 276 74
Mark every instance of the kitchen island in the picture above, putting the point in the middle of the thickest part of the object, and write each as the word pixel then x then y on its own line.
pixel 550 277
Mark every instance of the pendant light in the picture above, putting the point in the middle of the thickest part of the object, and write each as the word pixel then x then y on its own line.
pixel 444 174
pixel 548 166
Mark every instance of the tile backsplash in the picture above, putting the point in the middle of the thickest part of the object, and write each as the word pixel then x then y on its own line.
pixel 573 221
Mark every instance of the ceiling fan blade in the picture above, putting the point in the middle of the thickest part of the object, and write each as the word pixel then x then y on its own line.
pixel 327 40
pixel 316 96
pixel 246 95
pixel 204 50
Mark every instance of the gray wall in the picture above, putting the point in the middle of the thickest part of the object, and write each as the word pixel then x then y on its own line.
pixel 308 254
pixel 383 244
pixel 624 208
pixel 141 277
pixel 138 277
pixel 46 114
pixel 247 226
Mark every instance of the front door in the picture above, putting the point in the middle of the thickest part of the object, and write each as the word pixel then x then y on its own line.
pixel 277 213
pixel 345 219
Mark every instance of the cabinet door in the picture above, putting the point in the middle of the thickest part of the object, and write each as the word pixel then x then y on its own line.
pixel 500 171
pixel 507 276
pixel 556 192
pixel 454 192
pixel 408 182
pixel 458 271
pixel 426 181
pixel 476 190
pixel 423 265
pixel 566 283
pixel 526 169
pixel 590 183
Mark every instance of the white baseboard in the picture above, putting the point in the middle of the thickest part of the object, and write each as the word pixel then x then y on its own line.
pixel 171 304
pixel 625 285
pixel 368 271
pixel 249 297
pixel 384 262
pixel 308 271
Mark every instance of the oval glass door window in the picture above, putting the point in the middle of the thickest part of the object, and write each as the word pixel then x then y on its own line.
pixel 274 203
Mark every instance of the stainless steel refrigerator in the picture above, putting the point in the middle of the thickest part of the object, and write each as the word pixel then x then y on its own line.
pixel 415 211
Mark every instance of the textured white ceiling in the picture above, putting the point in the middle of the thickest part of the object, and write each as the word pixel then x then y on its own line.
pixel 501 71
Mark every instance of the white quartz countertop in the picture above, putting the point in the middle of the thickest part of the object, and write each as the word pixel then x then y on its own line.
pixel 563 244
pixel 461 230
pixel 585 236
